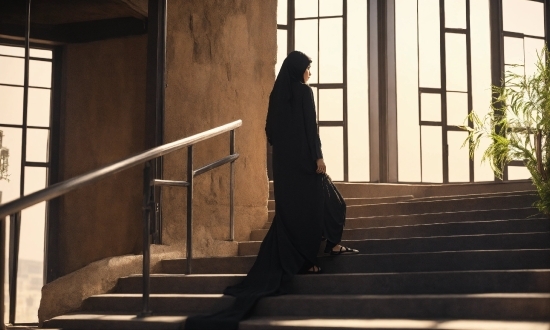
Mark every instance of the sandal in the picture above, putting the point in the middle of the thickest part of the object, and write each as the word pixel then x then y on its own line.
pixel 344 250
pixel 316 270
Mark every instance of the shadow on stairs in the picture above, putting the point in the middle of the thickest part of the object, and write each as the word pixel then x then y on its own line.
pixel 455 257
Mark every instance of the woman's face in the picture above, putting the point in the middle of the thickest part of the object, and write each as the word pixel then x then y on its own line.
pixel 307 74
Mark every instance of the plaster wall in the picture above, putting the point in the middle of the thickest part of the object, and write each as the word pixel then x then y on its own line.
pixel 220 67
pixel 103 121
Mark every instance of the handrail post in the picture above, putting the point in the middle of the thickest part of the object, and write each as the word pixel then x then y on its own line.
pixel 146 238
pixel 15 233
pixel 189 251
pixel 231 187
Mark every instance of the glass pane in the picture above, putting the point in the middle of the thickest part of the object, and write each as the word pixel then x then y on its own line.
pixel 31 254
pixel 35 179
pixel 281 49
pixel 519 70
pixel 306 8
pixel 11 105
pixel 513 51
pixel 331 104
pixel 483 171
pixel 481 77
pixel 41 53
pixel 12 140
pixel 306 41
pixel 315 97
pixel 523 16
pixel 37 145
pixel 457 108
pixel 432 154
pixel 455 14
pixel 518 173
pixel 12 51
pixel 30 274
pixel 13 70
pixel 459 160
pixel 331 65
pixel 38 110
pixel 431 107
pixel 357 92
pixel 282 11
pixel 408 133
pixel 533 49
pixel 457 69
pixel 40 74
pixel 428 43
pixel 332 140
pixel 330 8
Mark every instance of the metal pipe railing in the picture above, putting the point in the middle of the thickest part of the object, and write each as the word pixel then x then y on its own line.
pixel 64 187
pixel 13 209
pixel 189 248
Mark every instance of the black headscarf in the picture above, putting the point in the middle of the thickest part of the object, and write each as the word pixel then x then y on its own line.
pixel 292 71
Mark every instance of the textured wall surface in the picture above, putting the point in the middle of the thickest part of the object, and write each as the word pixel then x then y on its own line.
pixel 102 122
pixel 220 68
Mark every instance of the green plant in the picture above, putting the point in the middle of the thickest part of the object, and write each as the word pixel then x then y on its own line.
pixel 4 155
pixel 518 124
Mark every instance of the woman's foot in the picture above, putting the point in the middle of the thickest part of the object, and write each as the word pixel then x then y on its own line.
pixel 339 249
pixel 314 270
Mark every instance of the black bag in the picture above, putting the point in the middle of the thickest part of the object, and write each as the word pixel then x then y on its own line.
pixel 334 215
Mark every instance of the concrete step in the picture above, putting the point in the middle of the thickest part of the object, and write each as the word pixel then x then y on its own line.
pixel 119 321
pixel 502 213
pixel 461 282
pixel 384 263
pixel 452 228
pixel 361 201
pixel 173 322
pixel 440 217
pixel 284 323
pixel 463 204
pixel 438 229
pixel 362 190
pixel 500 306
pixel 535 240
pixel 474 195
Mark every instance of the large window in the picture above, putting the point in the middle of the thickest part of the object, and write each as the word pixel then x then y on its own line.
pixel 443 60
pixel 323 29
pixel 27 136
pixel 432 60
pixel 523 41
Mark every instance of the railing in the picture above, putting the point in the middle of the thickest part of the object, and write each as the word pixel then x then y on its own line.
pixel 13 209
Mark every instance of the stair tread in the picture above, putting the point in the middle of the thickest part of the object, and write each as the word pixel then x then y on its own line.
pixel 446 282
pixel 437 229
pixel 542 295
pixel 255 322
pixel 431 224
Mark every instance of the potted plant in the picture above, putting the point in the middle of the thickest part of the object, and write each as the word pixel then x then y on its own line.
pixel 518 124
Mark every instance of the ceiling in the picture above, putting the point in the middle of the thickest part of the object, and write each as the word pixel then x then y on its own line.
pixel 71 21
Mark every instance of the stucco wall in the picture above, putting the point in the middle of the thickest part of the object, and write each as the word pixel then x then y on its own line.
pixel 102 122
pixel 220 68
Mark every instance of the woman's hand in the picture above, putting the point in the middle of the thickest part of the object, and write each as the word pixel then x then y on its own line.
pixel 321 167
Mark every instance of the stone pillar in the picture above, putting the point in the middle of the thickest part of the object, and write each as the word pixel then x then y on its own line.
pixel 103 120
pixel 220 67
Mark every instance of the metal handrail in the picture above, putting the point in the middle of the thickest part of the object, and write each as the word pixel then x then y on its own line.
pixel 64 187
pixel 13 208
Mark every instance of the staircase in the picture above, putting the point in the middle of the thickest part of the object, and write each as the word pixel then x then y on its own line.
pixel 432 257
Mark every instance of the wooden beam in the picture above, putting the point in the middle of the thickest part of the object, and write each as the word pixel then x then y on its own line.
pixel 79 32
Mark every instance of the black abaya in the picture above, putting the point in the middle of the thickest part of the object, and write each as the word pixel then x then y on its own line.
pixel 293 239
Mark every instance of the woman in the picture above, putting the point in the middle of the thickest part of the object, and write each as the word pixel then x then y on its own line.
pixel 300 187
